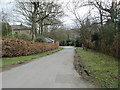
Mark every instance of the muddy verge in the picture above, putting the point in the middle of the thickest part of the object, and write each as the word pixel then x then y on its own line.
pixel 80 68
pixel 83 72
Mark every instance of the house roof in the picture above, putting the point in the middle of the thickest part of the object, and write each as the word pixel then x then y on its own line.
pixel 49 40
pixel 20 27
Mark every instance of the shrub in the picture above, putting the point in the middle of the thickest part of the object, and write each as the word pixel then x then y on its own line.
pixel 90 44
pixel 78 42
pixel 22 37
pixel 63 43
pixel 115 47
pixel 6 29
pixel 40 39
pixel 15 47
pixel 95 37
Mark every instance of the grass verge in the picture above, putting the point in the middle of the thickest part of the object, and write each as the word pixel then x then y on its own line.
pixel 16 60
pixel 102 68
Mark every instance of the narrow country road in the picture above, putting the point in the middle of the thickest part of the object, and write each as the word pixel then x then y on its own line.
pixel 52 71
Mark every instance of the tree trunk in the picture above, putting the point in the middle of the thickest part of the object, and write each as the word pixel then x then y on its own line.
pixel 41 28
pixel 101 22
pixel 33 32
pixel 101 19
pixel 34 16
pixel 33 27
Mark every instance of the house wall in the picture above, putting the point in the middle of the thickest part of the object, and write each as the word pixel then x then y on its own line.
pixel 26 32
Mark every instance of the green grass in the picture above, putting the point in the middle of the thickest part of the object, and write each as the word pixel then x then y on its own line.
pixel 103 68
pixel 15 60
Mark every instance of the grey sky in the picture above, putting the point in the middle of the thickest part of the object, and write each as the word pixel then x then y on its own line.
pixel 8 6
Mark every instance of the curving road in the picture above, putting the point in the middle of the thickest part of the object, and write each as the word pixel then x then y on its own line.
pixel 53 71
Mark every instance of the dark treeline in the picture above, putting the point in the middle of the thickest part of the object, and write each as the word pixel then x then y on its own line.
pixel 101 33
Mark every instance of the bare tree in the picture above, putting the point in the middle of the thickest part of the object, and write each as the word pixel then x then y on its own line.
pixel 4 16
pixel 29 10
pixel 39 14
pixel 82 23
pixel 50 14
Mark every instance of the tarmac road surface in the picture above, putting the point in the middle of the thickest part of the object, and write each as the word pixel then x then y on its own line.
pixel 52 71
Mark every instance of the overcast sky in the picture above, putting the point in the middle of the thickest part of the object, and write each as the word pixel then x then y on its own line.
pixel 8 6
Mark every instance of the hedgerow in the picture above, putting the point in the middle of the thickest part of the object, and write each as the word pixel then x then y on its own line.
pixel 15 47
